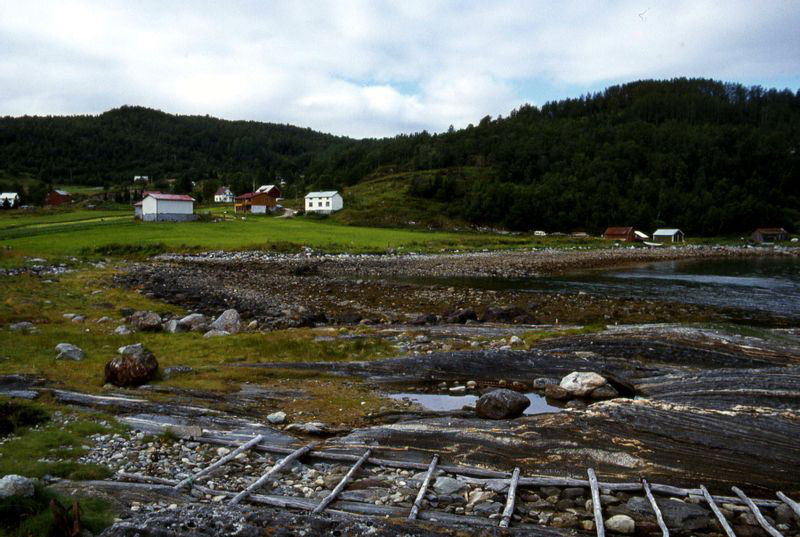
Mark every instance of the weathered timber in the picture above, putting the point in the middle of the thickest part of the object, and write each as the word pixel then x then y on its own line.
pixel 261 481
pixel 494 474
pixel 757 513
pixel 720 517
pixel 229 457
pixel 342 484
pixel 656 509
pixel 790 502
pixel 423 488
pixel 596 507
pixel 511 499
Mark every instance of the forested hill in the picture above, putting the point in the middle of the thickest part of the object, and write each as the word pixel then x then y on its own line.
pixel 127 141
pixel 697 154
pixel 701 155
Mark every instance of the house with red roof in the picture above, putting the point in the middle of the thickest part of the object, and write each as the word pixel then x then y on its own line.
pixel 255 202
pixel 223 195
pixel 159 207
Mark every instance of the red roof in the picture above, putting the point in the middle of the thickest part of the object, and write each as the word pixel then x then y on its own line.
pixel 170 197
pixel 250 195
pixel 618 231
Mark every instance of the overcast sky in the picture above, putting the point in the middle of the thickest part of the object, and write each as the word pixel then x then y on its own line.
pixel 375 68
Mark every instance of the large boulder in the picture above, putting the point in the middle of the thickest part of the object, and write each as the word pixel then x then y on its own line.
pixel 146 321
pixel 581 384
pixel 462 316
pixel 68 351
pixel 502 404
pixel 194 322
pixel 228 321
pixel 16 485
pixel 134 366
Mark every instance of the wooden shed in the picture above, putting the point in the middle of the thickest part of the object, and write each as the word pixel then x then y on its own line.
pixel 668 235
pixel 624 234
pixel 770 234
pixel 58 197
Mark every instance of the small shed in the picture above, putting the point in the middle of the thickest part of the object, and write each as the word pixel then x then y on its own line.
pixel 255 202
pixel 770 234
pixel 271 190
pixel 625 234
pixel 223 195
pixel 9 200
pixel 325 202
pixel 158 207
pixel 58 197
pixel 668 235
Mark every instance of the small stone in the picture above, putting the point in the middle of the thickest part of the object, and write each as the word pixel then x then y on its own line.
pixel 553 391
pixel 502 404
pixel 458 389
pixel 68 351
pixel 515 340
pixel 23 326
pixel 228 321
pixel 580 384
pixel 122 330
pixel 216 333
pixel 621 524
pixel 276 418
pixel 16 485
pixel 447 485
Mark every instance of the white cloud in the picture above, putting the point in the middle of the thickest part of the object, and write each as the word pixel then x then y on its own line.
pixel 372 68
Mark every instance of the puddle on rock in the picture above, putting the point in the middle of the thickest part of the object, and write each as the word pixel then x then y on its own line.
pixel 443 402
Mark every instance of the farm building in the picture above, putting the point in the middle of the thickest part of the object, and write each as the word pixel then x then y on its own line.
pixel 255 202
pixel 9 200
pixel 324 202
pixel 272 190
pixel 770 234
pixel 158 207
pixel 223 195
pixel 668 235
pixel 58 197
pixel 625 234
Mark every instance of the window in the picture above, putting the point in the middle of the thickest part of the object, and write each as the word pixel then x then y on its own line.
pixel 319 204
pixel 327 204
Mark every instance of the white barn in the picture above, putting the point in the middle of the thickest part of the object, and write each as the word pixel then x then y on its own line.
pixel 223 195
pixel 324 202
pixel 668 235
pixel 158 207
pixel 12 198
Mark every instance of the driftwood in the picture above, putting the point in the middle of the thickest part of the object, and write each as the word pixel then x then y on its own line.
pixel 261 481
pixel 757 513
pixel 790 502
pixel 596 507
pixel 423 488
pixel 342 484
pixel 656 509
pixel 511 499
pixel 720 517
pixel 229 457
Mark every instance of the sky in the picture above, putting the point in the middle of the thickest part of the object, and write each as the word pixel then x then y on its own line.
pixel 375 68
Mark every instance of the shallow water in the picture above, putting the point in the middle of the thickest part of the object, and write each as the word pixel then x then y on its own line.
pixel 442 402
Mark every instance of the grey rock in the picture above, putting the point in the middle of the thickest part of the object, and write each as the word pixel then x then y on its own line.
pixel 276 418
pixel 228 321
pixel 68 351
pixel 677 514
pixel 607 391
pixel 16 485
pixel 312 427
pixel 146 321
pixel 542 382
pixel 462 316
pixel 23 326
pixel 122 330
pixel 194 322
pixel 488 508
pixel 621 524
pixel 580 384
pixel 216 333
pixel 447 485
pixel 554 391
pixel 784 514
pixel 170 372
pixel 502 404
pixel 173 327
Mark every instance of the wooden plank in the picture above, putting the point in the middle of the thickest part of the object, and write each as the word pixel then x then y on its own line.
pixel 342 484
pixel 261 481
pixel 757 513
pixel 227 458
pixel 423 488
pixel 790 502
pixel 596 507
pixel 720 517
pixel 511 499
pixel 656 509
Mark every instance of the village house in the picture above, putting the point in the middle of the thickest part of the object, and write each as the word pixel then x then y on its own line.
pixel 58 197
pixel 141 179
pixel 255 202
pixel 668 235
pixel 770 234
pixel 223 195
pixel 624 234
pixel 158 207
pixel 271 190
pixel 324 202
pixel 9 200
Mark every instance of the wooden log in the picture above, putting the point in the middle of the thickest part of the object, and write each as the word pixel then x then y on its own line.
pixel 596 507
pixel 656 509
pixel 494 474
pixel 757 513
pixel 342 484
pixel 423 488
pixel 261 481
pixel 720 517
pixel 790 502
pixel 511 499
pixel 229 457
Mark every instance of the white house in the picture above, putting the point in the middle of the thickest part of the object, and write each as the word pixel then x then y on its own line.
pixel 223 195
pixel 668 235
pixel 324 202
pixel 158 207
pixel 11 197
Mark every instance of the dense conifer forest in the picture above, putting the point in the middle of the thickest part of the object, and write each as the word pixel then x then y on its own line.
pixel 708 157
